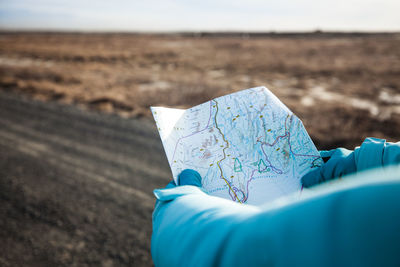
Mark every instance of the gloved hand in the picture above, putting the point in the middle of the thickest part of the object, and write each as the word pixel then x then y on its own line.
pixel 339 162
pixel 372 153
pixel 189 177
pixel 192 228
pixel 186 177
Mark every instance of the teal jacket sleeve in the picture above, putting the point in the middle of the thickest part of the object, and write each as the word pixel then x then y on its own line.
pixel 347 222
pixel 372 153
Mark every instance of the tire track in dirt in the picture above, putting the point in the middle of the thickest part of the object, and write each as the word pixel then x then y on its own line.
pixel 67 163
pixel 90 156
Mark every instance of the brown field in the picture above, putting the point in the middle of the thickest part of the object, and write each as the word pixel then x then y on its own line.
pixel 343 87
pixel 76 185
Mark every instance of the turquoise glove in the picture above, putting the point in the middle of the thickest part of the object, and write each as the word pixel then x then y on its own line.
pixel 351 223
pixel 373 153
pixel 189 177
pixel 186 177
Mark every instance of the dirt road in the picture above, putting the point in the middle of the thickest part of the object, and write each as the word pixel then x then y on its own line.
pixel 75 186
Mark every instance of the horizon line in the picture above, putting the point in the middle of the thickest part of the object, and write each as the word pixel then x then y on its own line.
pixel 228 31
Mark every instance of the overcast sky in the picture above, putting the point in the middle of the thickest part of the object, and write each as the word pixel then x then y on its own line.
pixel 202 15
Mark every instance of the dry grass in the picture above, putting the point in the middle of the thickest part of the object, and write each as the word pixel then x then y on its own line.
pixel 343 88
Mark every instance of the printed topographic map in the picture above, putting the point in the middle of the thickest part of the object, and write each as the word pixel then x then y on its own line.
pixel 247 146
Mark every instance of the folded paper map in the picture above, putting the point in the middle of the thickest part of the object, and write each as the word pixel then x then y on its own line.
pixel 247 146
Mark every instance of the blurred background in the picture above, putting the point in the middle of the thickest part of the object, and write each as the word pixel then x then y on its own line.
pixel 79 152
